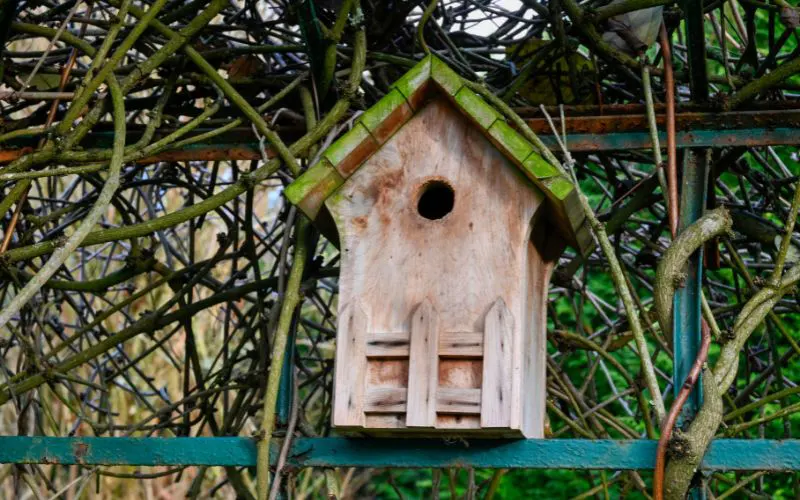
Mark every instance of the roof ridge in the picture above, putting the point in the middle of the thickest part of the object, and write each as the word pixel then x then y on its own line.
pixel 405 98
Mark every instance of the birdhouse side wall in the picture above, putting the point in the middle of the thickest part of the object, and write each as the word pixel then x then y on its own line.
pixel 416 294
pixel 539 271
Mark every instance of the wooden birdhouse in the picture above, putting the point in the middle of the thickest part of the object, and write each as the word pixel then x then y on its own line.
pixel 449 224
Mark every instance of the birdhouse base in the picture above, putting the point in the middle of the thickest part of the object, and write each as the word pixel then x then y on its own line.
pixel 427 382
pixel 446 433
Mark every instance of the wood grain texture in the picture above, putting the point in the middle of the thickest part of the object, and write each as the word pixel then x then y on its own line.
pixel 350 367
pixel 393 400
pixel 459 401
pixel 451 345
pixel 461 344
pixel 498 341
pixel 423 367
pixel 385 400
pixel 392 259
pixel 534 344
pixel 456 426
pixel 460 373
pixel 388 345
pixel 383 372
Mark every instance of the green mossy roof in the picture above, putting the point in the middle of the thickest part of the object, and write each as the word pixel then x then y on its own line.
pixel 407 96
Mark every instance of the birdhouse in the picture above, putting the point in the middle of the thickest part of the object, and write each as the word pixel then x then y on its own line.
pixel 449 224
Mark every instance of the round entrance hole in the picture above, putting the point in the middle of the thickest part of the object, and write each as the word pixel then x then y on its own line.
pixel 436 200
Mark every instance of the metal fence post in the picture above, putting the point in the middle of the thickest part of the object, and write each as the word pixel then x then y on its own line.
pixel 687 331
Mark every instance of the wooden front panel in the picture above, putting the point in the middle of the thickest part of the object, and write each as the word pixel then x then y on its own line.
pixel 394 258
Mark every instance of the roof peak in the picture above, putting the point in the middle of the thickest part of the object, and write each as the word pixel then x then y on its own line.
pixel 405 98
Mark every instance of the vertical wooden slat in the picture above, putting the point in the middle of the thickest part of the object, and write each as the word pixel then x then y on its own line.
pixel 351 367
pixel 423 367
pixel 497 345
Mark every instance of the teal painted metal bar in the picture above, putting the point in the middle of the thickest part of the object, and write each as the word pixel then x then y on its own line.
pixel 286 389
pixel 694 186
pixel 230 451
pixel 578 142
pixel 687 310
pixel 624 141
pixel 723 454
pixel 621 141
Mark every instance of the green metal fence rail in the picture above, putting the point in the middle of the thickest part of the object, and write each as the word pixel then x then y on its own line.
pixel 724 454
pixel 619 128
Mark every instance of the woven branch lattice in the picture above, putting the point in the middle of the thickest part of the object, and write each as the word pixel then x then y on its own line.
pixel 154 307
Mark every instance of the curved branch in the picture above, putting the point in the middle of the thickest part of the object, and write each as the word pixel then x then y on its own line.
pixel 681 468
pixel 670 270
pixel 766 82
pixel 426 15
pixel 62 253
pixel 750 317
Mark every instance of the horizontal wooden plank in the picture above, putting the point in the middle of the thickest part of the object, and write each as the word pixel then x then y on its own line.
pixel 723 454
pixel 385 400
pixel 388 345
pixel 451 345
pixel 448 400
pixel 461 344
pixel 460 401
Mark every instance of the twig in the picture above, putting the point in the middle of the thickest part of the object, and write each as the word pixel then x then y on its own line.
pixel 621 285
pixel 672 153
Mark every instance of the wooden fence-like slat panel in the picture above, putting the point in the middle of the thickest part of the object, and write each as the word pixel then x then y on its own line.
pixel 351 367
pixel 497 361
pixel 423 369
